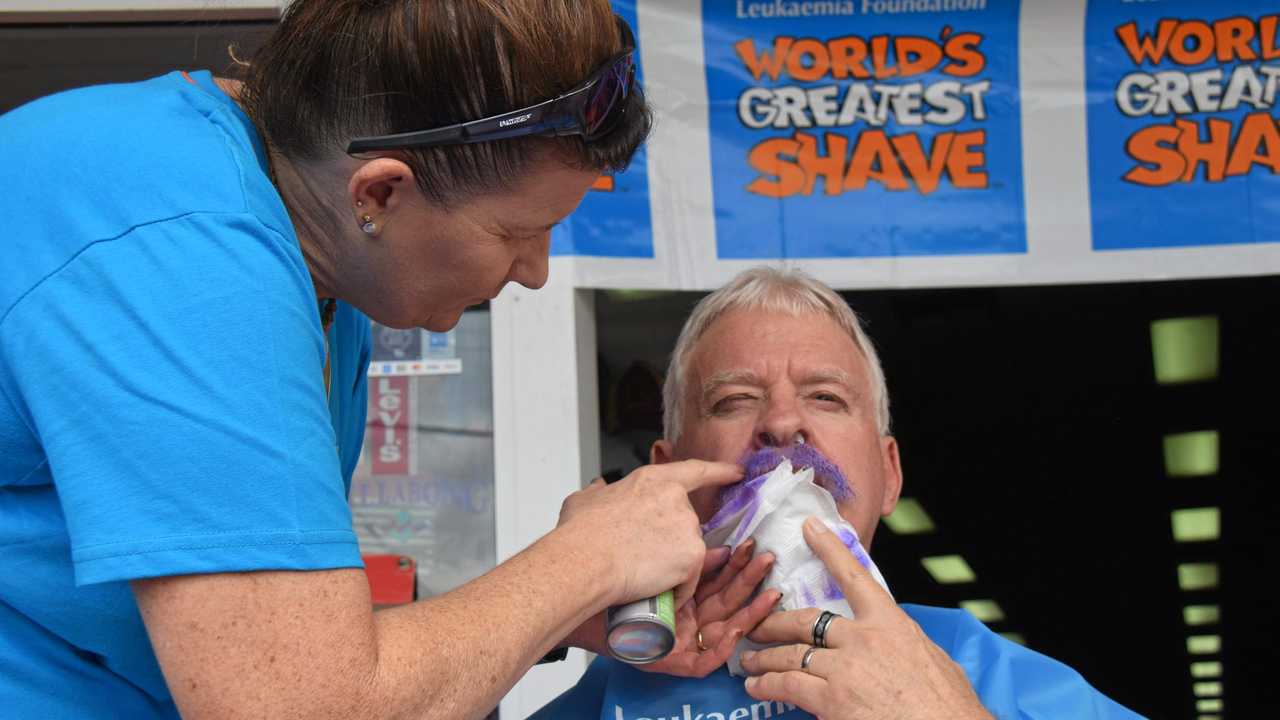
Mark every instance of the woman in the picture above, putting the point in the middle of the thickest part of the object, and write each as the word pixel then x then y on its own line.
pixel 183 333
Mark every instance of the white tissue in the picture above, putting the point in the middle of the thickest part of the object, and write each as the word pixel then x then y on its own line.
pixel 781 505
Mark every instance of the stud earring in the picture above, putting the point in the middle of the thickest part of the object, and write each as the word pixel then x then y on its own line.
pixel 369 227
pixel 359 203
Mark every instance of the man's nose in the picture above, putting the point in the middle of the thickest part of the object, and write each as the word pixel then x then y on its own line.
pixel 782 425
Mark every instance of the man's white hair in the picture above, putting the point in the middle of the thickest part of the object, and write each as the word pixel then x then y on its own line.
pixel 771 290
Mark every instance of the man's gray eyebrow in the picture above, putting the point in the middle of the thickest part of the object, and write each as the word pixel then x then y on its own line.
pixel 728 377
pixel 833 374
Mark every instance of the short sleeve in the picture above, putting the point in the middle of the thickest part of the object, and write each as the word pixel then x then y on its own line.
pixel 174 377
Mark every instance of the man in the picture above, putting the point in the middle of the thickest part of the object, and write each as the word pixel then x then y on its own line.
pixel 776 358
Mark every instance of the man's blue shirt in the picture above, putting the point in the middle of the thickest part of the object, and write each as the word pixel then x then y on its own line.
pixel 1010 680
pixel 162 405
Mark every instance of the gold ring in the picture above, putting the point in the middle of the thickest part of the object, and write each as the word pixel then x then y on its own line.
pixel 701 647
pixel 808 657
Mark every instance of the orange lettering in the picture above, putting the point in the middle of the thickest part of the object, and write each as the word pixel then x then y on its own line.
pixel 764 63
pixel 917 55
pixel 774 157
pixel 829 167
pixel 964 162
pixel 926 172
pixel 1195 30
pixel 873 159
pixel 818 66
pixel 848 55
pixel 967 59
pixel 604 183
pixel 1258 142
pixel 1267 37
pixel 880 57
pixel 1146 47
pixel 1212 153
pixel 1233 36
pixel 1154 145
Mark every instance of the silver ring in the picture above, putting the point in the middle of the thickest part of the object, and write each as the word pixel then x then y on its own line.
pixel 808 657
pixel 819 630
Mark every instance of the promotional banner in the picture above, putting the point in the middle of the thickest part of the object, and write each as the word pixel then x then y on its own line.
pixel 389 436
pixel 613 219
pixel 1184 145
pixel 864 129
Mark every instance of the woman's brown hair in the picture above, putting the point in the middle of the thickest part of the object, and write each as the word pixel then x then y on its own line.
pixel 338 69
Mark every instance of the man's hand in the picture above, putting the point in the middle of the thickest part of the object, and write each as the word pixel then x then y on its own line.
pixel 722 610
pixel 880 664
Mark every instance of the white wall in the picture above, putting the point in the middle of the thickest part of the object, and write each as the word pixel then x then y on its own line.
pixel 546 434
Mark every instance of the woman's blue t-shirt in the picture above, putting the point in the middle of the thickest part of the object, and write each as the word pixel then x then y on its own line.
pixel 162 405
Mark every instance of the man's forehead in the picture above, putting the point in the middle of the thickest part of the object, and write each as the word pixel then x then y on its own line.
pixel 804 350
pixel 801 373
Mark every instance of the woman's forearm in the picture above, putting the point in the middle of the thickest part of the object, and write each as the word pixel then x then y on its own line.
pixel 457 654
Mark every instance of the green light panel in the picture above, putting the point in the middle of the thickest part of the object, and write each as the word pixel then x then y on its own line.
pixel 1198 576
pixel 1195 524
pixel 1207 689
pixel 1206 669
pixel 1191 454
pixel 1185 349
pixel 1208 717
pixel 909 518
pixel 988 611
pixel 1213 705
pixel 1204 644
pixel 949 569
pixel 1200 614
pixel 1014 637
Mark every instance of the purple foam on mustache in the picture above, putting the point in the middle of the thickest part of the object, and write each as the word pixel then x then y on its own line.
pixel 733 499
pixel 824 471
pixel 763 461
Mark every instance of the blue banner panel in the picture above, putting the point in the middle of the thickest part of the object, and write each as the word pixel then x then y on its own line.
pixel 613 219
pixel 865 129
pixel 1184 145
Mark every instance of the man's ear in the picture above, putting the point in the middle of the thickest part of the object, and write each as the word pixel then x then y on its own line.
pixel 892 467
pixel 661 452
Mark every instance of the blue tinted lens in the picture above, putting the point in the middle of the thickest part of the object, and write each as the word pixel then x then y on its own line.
pixel 608 94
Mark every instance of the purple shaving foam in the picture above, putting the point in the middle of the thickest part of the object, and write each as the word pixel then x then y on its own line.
pixel 832 591
pixel 825 472
pixel 850 540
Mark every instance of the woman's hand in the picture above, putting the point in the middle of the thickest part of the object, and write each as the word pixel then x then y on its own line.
pixel 645 528
pixel 722 610
pixel 880 664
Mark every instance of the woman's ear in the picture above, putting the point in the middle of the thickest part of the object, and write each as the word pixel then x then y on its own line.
pixel 379 187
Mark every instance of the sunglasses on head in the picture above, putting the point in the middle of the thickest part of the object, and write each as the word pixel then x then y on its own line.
pixel 591 110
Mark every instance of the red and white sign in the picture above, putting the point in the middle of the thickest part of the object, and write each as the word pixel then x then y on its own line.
pixel 390 435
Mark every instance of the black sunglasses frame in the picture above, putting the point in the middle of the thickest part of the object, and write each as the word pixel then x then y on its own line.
pixel 559 116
